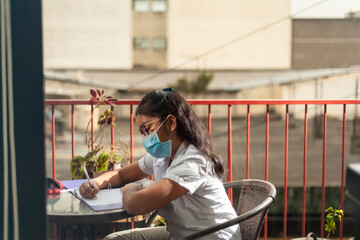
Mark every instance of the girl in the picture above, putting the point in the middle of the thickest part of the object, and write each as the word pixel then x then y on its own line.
pixel 188 191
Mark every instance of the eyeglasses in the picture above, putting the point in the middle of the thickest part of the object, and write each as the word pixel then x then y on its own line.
pixel 145 131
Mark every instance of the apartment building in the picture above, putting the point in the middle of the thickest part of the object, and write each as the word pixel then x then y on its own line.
pixel 166 34
pixel 253 48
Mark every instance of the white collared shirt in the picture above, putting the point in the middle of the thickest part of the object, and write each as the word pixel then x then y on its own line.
pixel 206 203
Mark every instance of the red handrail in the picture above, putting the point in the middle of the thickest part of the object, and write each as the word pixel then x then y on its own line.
pixel 219 102
pixel 229 103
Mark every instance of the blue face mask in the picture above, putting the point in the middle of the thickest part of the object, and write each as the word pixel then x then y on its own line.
pixel 156 148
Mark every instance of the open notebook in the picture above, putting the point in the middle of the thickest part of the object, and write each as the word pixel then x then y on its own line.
pixel 107 199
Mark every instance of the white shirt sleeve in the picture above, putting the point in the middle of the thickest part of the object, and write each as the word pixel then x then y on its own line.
pixel 188 173
pixel 146 164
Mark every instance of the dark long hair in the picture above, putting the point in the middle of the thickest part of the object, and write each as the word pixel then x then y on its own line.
pixel 161 103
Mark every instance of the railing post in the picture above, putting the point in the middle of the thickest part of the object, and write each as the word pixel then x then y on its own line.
pixel 323 174
pixel 53 139
pixel 112 130
pixel 304 169
pixel 230 190
pixel 342 169
pixel 266 159
pixel 209 120
pixel 286 168
pixel 132 148
pixel 92 127
pixel 72 131
pixel 248 143
pixel 267 142
pixel 131 134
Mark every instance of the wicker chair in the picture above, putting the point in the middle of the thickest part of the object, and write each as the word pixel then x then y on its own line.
pixel 255 198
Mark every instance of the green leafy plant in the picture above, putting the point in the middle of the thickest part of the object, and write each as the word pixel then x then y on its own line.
pixel 331 216
pixel 102 162
pixel 198 85
pixel 98 159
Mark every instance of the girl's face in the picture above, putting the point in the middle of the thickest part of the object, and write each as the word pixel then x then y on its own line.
pixel 149 124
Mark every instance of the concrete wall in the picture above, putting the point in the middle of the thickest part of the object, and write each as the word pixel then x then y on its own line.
pixel 197 27
pixel 342 86
pixel 87 34
pixel 322 43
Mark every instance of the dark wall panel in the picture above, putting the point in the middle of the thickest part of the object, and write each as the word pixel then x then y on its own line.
pixel 24 216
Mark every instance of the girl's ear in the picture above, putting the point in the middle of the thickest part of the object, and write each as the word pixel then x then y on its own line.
pixel 172 122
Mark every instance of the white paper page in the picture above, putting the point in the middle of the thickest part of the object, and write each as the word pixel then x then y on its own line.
pixel 105 197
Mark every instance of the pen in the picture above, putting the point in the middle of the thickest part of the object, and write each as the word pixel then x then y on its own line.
pixel 69 190
pixel 87 175
pixel 88 178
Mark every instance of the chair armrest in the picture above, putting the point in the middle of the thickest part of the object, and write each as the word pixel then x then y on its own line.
pixel 150 220
pixel 264 206
pixel 233 184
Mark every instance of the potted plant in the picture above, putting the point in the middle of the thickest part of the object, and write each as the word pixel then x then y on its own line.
pixel 100 158
pixel 332 215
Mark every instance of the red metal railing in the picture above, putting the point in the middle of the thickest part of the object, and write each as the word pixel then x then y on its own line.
pixel 248 103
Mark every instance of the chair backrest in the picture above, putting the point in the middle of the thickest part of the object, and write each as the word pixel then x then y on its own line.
pixel 255 198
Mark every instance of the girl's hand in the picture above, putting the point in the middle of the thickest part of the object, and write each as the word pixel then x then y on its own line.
pixel 89 192
pixel 132 187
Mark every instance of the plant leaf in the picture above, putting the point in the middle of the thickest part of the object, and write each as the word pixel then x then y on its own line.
pixel 101 121
pixel 75 167
pixel 102 162
pixel 329 209
pixel 93 92
pixel 91 154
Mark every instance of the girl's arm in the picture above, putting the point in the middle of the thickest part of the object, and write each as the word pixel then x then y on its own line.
pixel 116 178
pixel 138 200
pixel 128 174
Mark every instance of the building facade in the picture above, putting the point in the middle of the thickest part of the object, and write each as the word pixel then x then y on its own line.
pixel 87 34
pixel 166 34
pixel 323 43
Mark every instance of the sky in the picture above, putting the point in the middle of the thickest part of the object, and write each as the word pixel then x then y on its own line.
pixel 325 9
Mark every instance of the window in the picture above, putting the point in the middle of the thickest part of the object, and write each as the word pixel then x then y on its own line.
pixel 140 43
pixel 141 5
pixel 158 5
pixel 159 43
